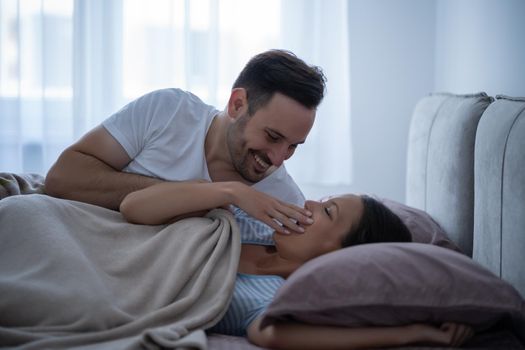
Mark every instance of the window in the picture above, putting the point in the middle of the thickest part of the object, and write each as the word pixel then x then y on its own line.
pixel 66 65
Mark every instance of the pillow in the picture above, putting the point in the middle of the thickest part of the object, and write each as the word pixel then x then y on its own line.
pixel 421 225
pixel 388 284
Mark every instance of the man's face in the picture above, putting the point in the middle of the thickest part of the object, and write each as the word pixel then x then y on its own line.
pixel 259 143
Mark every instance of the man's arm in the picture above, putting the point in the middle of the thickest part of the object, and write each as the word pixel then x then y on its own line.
pixel 90 171
pixel 300 336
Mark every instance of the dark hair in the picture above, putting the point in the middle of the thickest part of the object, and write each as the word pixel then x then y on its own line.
pixel 280 71
pixel 378 224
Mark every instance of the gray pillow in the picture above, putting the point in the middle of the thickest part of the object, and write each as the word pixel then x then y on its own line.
pixel 388 284
pixel 421 225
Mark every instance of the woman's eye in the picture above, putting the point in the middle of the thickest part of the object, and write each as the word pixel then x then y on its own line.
pixel 327 211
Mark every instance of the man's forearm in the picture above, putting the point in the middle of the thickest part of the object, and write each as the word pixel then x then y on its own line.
pixel 84 178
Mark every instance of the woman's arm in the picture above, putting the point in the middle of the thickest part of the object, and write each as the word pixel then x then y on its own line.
pixel 168 201
pixel 165 202
pixel 300 336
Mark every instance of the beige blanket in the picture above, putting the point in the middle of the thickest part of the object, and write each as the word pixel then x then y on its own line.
pixel 74 275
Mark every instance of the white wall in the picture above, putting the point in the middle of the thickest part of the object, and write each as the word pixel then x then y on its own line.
pixel 480 46
pixel 401 50
pixel 391 68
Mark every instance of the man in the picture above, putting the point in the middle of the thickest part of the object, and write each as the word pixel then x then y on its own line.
pixel 171 135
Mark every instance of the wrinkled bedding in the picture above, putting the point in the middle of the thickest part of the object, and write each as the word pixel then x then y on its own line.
pixel 15 184
pixel 74 275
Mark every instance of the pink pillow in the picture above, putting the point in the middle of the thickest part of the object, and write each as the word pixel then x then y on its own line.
pixel 388 284
pixel 421 225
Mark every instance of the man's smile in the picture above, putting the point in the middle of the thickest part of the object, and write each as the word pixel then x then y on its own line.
pixel 261 165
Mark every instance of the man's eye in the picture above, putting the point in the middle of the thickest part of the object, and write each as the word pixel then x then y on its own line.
pixel 272 137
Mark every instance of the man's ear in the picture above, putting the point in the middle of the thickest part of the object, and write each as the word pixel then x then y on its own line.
pixel 238 103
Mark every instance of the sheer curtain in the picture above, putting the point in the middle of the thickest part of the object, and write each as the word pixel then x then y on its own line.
pixel 66 65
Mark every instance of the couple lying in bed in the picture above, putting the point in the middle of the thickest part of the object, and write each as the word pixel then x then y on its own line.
pixel 268 258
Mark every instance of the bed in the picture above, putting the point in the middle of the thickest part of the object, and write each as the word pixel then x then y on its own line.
pixel 465 192
pixel 466 210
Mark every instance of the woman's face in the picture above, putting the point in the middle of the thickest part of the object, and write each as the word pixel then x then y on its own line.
pixel 333 218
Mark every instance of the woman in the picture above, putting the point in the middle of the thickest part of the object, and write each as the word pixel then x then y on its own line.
pixel 269 257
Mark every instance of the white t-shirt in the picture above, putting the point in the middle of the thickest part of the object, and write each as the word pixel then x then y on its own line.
pixel 163 132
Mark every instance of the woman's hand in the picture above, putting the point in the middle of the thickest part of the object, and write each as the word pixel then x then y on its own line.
pixel 170 201
pixel 449 334
pixel 280 216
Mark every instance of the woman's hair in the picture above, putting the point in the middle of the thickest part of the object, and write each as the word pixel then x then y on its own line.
pixel 378 224
pixel 280 71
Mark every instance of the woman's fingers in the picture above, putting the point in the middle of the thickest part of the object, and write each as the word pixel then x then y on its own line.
pixel 274 224
pixel 285 223
pixel 458 333
pixel 449 333
pixel 451 329
pixel 293 217
pixel 297 214
pixel 280 216
pixel 464 333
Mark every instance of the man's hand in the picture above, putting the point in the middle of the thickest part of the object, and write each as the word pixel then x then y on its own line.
pixel 280 216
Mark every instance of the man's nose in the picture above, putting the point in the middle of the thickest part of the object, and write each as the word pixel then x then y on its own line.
pixel 278 155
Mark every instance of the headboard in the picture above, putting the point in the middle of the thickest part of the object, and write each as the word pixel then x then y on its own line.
pixel 499 191
pixel 440 161
pixel 466 168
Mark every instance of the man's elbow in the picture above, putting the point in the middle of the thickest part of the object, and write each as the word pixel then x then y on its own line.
pixel 54 183
pixel 61 177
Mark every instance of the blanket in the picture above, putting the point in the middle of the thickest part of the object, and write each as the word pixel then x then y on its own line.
pixel 78 276
pixel 13 184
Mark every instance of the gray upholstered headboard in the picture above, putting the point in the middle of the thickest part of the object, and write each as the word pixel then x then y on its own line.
pixel 466 168
pixel 440 164
pixel 499 191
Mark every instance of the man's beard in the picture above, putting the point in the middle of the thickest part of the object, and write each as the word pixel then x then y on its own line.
pixel 237 149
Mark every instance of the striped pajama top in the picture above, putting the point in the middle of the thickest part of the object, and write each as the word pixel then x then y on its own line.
pixel 252 293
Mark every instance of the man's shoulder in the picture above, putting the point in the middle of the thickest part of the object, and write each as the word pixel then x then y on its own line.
pixel 175 105
pixel 172 94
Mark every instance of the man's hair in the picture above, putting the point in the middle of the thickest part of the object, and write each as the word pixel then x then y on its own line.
pixel 378 224
pixel 280 71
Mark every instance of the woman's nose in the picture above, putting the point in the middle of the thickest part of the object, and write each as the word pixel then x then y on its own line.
pixel 310 205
